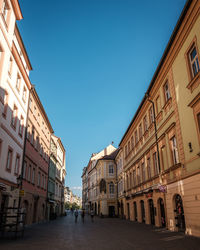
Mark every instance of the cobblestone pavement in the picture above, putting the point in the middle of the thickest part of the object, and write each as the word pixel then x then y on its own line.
pixel 106 233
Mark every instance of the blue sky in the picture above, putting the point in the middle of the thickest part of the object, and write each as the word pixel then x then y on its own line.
pixel 92 63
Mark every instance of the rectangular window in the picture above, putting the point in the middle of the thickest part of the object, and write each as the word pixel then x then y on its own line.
pixel 134 178
pixel 29 173
pixel 18 82
pixel 21 125
pixel 158 104
pixel 17 161
pixel 14 117
pixel 145 123
pixel 5 103
pixel 9 159
pixel 33 135
pixel 174 150
pixel 140 131
pixel 38 179
pixel 24 170
pixel 10 66
pixel 129 147
pixel 138 175
pixel 149 168
pixel 143 172
pixel 194 61
pixel 132 142
pixel 136 137
pixel 45 179
pixel 167 91
pixel 33 176
pixel 155 162
pixel 111 169
pixel 125 150
pixel 151 115
pixel 24 94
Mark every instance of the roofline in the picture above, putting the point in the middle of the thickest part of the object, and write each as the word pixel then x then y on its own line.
pixel 59 139
pixel 17 9
pixel 34 92
pixel 168 47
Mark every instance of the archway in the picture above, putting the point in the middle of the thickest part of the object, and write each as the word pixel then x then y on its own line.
pixel 151 212
pixel 162 212
pixel 135 210
pixel 142 211
pixel 179 213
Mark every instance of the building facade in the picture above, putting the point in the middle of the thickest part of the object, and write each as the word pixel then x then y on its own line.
pixel 161 160
pixel 90 179
pixel 36 162
pixel 85 189
pixel 59 176
pixel 14 95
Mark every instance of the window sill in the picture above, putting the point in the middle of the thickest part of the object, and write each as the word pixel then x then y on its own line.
pixel 194 83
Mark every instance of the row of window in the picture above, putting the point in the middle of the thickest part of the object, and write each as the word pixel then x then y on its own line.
pixel 10 158
pixel 142 172
pixel 29 174
pixel 193 61
pixel 15 118
pixel 38 118
pixel 34 139
pixel 95 192
pixel 143 126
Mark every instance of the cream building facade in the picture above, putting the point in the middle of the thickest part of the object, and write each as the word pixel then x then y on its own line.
pixel 161 159
pixel 14 94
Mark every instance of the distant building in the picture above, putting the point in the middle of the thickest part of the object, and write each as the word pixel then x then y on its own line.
pixel 36 161
pixel 89 180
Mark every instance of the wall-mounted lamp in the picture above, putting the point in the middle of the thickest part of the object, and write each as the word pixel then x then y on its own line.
pixel 190 146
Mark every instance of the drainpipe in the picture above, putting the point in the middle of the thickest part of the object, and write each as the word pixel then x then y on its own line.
pixel 156 135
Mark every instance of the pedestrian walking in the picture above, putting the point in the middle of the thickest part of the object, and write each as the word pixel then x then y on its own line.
pixel 76 215
pixel 92 215
pixel 83 215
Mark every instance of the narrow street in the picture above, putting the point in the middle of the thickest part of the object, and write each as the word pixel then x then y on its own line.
pixel 106 233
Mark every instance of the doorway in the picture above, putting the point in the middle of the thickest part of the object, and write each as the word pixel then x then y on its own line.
pixel 111 211
pixel 179 212
pixel 162 212
pixel 135 210
pixel 142 211
pixel 151 212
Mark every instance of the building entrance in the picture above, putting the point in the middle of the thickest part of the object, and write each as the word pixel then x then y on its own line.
pixel 142 211
pixel 151 211
pixel 135 210
pixel 179 213
pixel 162 213
pixel 111 211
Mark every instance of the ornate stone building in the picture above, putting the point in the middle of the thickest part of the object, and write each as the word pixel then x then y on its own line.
pixel 161 159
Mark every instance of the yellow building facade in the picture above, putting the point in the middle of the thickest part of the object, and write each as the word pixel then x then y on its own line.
pixel 161 147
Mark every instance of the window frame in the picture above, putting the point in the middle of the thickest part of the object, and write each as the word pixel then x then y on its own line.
pixel 167 92
pixel 17 160
pixel 8 168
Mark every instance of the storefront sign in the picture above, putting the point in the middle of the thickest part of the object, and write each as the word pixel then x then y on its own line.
pixel 162 188
pixel 21 193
